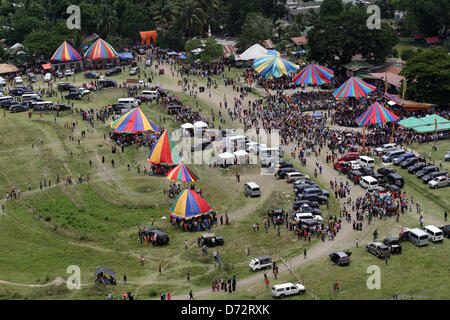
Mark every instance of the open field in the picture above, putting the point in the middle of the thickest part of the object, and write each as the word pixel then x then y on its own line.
pixel 95 223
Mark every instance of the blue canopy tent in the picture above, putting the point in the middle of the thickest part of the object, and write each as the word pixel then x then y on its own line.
pixel 125 56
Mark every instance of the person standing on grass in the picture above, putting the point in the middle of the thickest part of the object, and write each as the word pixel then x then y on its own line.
pixel 191 295
pixel 188 276
pixel 142 260
pixel 304 252
pixel 445 215
pixel 356 242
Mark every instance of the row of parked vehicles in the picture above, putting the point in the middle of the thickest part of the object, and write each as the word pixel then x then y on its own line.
pixel 415 164
pixel 28 100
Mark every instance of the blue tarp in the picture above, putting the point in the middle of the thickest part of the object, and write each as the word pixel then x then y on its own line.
pixel 172 53
pixel 125 55
pixel 181 57
pixel 299 52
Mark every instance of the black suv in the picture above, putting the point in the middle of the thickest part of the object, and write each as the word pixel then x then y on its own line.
pixel 64 86
pixel 18 107
pixel 74 94
pixel 161 237
pixel 341 258
pixel 91 75
pixel 211 240
pixel 426 170
pixel 113 72
pixel 446 230
pixel 394 244
pixel 17 91
pixel 366 171
pixel 385 171
pixel 314 197
pixel 107 83
pixel 416 167
pixel 298 204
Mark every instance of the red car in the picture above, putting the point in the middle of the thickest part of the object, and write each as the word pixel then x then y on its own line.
pixel 349 156
pixel 342 166
pixel 143 98
pixel 88 86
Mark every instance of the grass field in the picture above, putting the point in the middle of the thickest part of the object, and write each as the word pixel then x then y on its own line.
pixel 95 223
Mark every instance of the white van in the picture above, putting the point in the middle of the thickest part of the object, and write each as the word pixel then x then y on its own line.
pixel 129 101
pixel 259 263
pixel 252 189
pixel 366 161
pixel 7 98
pixel 43 105
pixel 369 183
pixel 390 155
pixel 418 237
pixel 434 233
pixel 294 176
pixel 287 289
pixel 386 147
pixel 30 96
pixel 150 93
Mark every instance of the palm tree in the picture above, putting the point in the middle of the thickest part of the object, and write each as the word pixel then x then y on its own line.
pixel 107 20
pixel 190 17
pixel 163 12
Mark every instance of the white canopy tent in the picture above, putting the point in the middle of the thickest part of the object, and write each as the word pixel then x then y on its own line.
pixel 187 125
pixel 252 53
pixel 200 125
pixel 241 156
pixel 226 158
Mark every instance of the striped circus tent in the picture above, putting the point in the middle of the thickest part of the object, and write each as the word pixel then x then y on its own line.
pixel 181 173
pixel 66 53
pixel 163 151
pixel 376 114
pixel 100 49
pixel 314 74
pixel 189 204
pixel 133 121
pixel 353 87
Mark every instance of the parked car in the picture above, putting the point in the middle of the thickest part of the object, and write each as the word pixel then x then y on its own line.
pixel 287 289
pixel 355 176
pixel 386 170
pixel 341 258
pixel 74 94
pixel 349 156
pixel 69 72
pixel 59 74
pixel 416 167
pixel 48 77
pixel 162 92
pixel 210 240
pixel 378 249
pixel 252 189
pixel 31 77
pixel 396 179
pixel 396 161
pixel 447 156
pixel 2 82
pixel 65 86
pixel 446 230
pixel 426 170
pixel 342 166
pixel 427 178
pixel 393 188
pixel 366 171
pixel 281 173
pixel 439 182
pixel 294 176
pixel 394 244
pixel 385 148
pixel 88 86
pixel 91 75
pixel 18 80
pixel 16 91
pixel 107 83
pixel 382 180
pixel 408 162
pixel 18 107
pixel 161 237
pixel 134 71
pixel 113 72
pixel 299 204
pixel 314 197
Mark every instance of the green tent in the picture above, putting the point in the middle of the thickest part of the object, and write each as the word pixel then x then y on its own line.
pixel 432 128
pixel 430 119
pixel 411 122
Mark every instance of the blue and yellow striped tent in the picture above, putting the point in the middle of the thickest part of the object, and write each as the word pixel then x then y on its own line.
pixel 271 65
